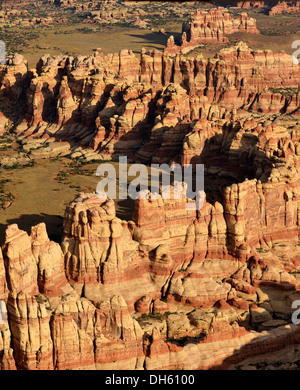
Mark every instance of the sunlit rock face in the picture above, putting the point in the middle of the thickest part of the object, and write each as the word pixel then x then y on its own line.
pixel 107 105
pixel 176 286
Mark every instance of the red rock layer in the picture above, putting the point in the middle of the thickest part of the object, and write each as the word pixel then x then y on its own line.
pixel 284 6
pixel 212 26
pixel 250 4
pixel 198 276
pixel 207 258
pixel 97 103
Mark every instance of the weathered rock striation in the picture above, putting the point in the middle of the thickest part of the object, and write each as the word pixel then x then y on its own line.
pixel 115 104
pixel 285 6
pixel 176 286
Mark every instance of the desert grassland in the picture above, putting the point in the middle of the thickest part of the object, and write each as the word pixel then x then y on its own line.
pixel 70 40
pixel 40 196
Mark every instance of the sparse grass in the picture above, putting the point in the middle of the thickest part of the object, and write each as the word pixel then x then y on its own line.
pixel 39 197
pixel 82 38
pixel 16 165
pixel 86 30
pixel 261 250
pixel 6 142
pixel 74 168
pixel 287 92
pixel 147 316
pixel 294 272
pixel 40 299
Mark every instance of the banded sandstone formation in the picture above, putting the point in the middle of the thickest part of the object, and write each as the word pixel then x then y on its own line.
pixel 116 104
pixel 213 26
pixel 273 8
pixel 201 277
pixel 173 287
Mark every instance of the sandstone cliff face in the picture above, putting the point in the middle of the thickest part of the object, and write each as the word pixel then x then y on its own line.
pixel 274 8
pixel 172 258
pixel 119 338
pixel 47 325
pixel 173 284
pixel 30 332
pixel 116 104
pixel 212 26
pixel 223 263
pixel 100 252
pixel 174 287
pixel 284 6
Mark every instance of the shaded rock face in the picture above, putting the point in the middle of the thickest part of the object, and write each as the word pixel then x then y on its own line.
pixel 209 27
pixel 194 279
pixel 48 326
pixel 285 6
pixel 175 287
pixel 198 276
pixel 118 104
